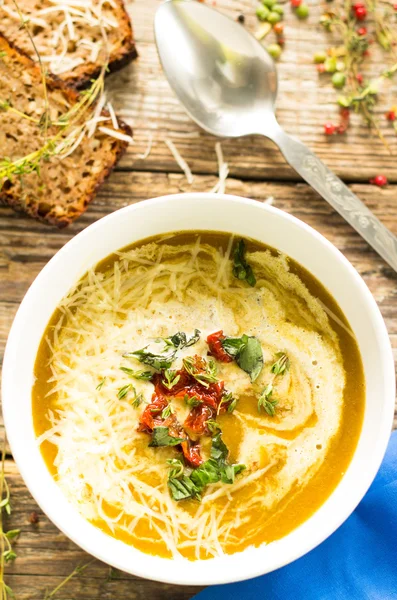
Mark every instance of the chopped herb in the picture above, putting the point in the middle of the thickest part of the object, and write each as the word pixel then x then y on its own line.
pixel 176 467
pixel 124 391
pixel 265 401
pixel 232 405
pixel 161 437
pixel 228 399
pixel 157 361
pixel 247 351
pixel 193 401
pixel 167 412
pixel 100 384
pixel 144 375
pixel 137 400
pixel 281 365
pixel 164 359
pixel 204 372
pixel 241 269
pixel 214 469
pixel 183 488
pixel 219 449
pixel 229 472
pixel 206 473
pixel 212 426
pixel 233 346
pixel 180 340
pixel 171 378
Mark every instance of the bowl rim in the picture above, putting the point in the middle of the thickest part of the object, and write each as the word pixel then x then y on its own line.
pixel 225 575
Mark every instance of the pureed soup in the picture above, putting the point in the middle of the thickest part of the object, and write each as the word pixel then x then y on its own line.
pixel 196 394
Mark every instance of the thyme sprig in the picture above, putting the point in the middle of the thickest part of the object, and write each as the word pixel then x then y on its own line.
pixel 346 61
pixel 7 553
pixel 76 571
pixel 69 127
pixel 266 401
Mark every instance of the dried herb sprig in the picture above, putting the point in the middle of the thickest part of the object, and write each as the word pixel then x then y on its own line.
pixel 76 571
pixel 266 402
pixel 345 61
pixel 7 553
pixel 69 127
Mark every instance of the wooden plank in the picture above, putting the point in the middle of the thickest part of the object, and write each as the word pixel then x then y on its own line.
pixel 45 557
pixel 26 245
pixel 306 100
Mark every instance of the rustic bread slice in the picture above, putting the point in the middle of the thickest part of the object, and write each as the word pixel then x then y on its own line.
pixel 68 35
pixel 62 189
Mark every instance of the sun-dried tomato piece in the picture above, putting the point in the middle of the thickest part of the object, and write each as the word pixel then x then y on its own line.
pixel 191 452
pixel 214 341
pixel 196 421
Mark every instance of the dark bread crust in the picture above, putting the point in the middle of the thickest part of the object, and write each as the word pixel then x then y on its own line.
pixel 80 76
pixel 51 210
pixel 119 59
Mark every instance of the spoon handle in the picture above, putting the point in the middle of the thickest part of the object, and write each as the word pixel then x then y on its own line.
pixel 338 195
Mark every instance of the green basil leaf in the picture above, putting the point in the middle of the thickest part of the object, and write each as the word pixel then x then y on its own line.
pixel 219 451
pixel 247 352
pixel 206 473
pixel 250 359
pixel 183 488
pixel 161 437
pixel 157 361
pixel 229 472
pixel 180 340
pixel 233 346
pixel 241 269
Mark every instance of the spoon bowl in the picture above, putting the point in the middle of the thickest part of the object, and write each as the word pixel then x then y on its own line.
pixel 226 82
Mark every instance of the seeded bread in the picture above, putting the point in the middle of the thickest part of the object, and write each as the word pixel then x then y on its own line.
pixel 69 35
pixel 62 189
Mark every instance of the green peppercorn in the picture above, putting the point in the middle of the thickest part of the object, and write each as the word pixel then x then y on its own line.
pixel 278 9
pixel 302 12
pixel 262 13
pixel 274 50
pixel 269 3
pixel 319 57
pixel 338 80
pixel 330 64
pixel 273 18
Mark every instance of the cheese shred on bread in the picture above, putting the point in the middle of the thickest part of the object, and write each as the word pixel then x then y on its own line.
pixel 71 36
pixel 62 189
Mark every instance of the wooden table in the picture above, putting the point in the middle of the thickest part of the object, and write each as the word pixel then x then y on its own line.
pixel 257 170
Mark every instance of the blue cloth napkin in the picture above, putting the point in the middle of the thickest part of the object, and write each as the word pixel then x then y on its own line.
pixel 358 562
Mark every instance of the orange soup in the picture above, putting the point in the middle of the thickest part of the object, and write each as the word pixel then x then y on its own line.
pixel 197 394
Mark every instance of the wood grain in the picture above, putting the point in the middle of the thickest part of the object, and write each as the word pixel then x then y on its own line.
pixel 46 557
pixel 143 97
pixel 306 101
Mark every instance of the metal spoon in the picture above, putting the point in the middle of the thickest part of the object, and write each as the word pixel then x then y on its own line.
pixel 227 83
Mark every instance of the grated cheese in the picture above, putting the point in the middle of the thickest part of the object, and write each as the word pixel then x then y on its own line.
pixel 112 115
pixel 152 292
pixel 223 170
pixel 148 150
pixel 181 161
pixel 116 134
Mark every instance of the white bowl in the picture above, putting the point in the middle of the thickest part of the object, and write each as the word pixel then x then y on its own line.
pixel 218 213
